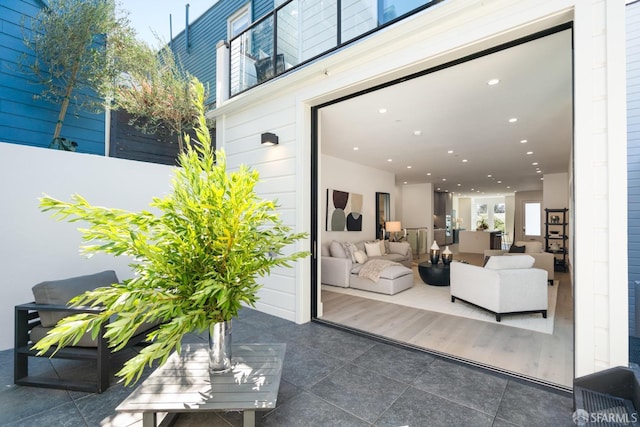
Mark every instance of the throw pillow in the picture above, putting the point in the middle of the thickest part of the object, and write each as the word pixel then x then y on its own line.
pixel 59 292
pixel 361 257
pixel 383 247
pixel 517 249
pixel 350 249
pixel 509 262
pixel 372 248
pixel 398 248
pixel 337 250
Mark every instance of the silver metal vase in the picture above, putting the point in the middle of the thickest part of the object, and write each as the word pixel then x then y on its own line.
pixel 220 347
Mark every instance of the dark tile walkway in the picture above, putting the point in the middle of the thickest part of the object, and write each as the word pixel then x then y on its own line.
pixel 330 378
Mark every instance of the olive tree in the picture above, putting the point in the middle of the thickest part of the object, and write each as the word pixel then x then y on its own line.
pixel 77 49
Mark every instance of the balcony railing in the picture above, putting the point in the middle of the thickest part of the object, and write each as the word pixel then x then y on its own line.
pixel 299 31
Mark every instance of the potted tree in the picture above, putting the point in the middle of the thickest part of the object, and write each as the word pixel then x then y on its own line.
pixel 195 262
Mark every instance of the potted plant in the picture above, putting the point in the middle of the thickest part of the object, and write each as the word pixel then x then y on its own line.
pixel 196 261
pixel 482 225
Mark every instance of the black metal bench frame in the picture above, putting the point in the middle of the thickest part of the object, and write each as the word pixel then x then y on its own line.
pixel 27 318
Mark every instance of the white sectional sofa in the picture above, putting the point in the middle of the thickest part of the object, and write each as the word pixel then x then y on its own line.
pixel 338 268
pixel 543 260
pixel 505 285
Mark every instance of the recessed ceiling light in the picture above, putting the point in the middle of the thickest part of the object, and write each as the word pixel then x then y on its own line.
pixel 493 82
pixel 389 160
pixel 459 185
pixel 408 167
pixel 534 164
pixel 444 179
pixel 529 153
pixel 405 182
pixel 355 148
pixel 489 176
pixel 382 110
pixel 450 152
pixel 428 173
pixel 538 171
pixel 464 160
pixel 499 182
pixel 417 132
pixel 472 189
pixel 513 120
pixel 542 178
pixel 523 141
pixel 508 186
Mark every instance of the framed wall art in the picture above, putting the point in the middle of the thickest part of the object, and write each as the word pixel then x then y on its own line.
pixel 344 211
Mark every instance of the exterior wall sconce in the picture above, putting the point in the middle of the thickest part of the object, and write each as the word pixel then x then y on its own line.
pixel 269 138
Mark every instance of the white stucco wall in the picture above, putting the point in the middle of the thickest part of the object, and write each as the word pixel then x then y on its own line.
pixel 35 247
pixel 447 31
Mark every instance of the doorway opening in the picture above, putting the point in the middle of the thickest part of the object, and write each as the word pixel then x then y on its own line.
pixel 487 126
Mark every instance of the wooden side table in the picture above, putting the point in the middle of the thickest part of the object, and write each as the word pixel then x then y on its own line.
pixel 184 384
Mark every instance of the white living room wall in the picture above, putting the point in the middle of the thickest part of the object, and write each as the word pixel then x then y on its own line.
pixel 555 191
pixel 339 174
pixel 35 247
pixel 417 207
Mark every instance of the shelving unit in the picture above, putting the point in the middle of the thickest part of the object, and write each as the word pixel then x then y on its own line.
pixel 555 236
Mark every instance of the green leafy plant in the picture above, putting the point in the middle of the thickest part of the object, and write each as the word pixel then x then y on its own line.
pixel 482 224
pixel 158 95
pixel 196 262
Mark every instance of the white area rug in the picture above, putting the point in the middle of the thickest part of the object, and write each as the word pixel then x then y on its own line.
pixel 438 299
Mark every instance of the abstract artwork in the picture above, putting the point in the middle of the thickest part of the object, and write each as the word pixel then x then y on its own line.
pixel 344 211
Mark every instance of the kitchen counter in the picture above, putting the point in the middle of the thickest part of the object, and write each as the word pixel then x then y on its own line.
pixel 476 242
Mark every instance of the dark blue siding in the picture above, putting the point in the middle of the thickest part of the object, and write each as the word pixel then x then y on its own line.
pixel 24 120
pixel 205 33
pixel 633 156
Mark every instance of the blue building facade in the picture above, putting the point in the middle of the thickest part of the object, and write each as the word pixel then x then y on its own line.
pixel 23 119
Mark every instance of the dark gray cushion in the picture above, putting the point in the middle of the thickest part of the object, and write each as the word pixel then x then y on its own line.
pixel 517 249
pixel 59 292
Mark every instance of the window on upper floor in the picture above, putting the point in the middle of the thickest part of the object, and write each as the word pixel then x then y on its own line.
pixel 239 21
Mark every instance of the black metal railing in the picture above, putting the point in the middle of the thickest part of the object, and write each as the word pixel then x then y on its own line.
pixel 297 32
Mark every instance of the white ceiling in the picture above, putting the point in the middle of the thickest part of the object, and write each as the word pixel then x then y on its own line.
pixel 455 109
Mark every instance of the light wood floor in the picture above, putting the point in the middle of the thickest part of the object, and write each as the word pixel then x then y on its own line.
pixel 538 356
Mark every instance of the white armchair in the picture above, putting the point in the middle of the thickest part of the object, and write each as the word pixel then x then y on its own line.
pixel 506 285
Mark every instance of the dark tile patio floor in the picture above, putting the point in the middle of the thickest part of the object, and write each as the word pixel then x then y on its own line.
pixel 330 378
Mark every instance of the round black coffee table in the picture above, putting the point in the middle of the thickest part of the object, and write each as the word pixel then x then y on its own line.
pixel 436 275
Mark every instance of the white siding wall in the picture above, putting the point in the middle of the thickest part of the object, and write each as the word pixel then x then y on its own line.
pixel 434 37
pixel 35 247
pixel 600 187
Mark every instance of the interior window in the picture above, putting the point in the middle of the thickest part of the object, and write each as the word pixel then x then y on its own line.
pixel 532 214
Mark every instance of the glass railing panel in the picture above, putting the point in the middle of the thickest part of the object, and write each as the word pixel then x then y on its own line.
pixel 288 35
pixel 392 9
pixel 358 17
pixel 251 56
pixel 318 27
